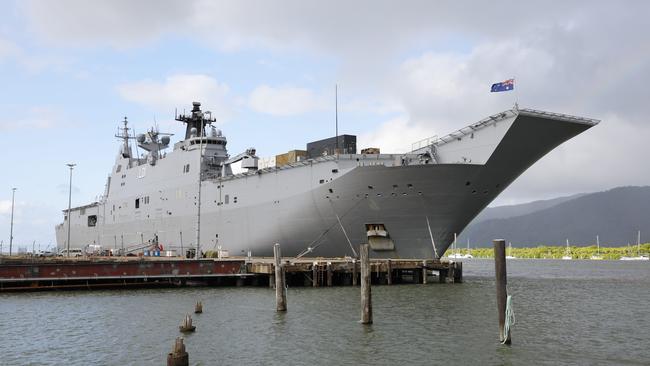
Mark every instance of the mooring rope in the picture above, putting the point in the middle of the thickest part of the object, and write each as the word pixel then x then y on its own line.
pixel 510 319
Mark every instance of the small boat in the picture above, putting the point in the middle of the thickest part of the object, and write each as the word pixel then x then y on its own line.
pixel 455 254
pixel 597 256
pixel 510 256
pixel 567 256
pixel 638 257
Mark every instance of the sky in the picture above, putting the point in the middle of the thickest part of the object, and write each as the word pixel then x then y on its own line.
pixel 71 70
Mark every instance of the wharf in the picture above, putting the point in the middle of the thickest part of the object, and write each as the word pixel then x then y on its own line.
pixel 30 274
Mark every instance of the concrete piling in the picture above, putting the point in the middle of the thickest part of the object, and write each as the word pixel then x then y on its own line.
pixel 501 282
pixel 280 289
pixel 366 296
pixel 178 356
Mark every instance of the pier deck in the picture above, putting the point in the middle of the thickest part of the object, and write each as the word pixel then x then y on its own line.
pixel 29 274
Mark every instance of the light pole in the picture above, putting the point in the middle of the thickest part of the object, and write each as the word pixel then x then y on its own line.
pixel 11 231
pixel 69 207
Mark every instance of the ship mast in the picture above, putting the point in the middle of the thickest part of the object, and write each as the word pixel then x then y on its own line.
pixel 197 121
pixel 123 133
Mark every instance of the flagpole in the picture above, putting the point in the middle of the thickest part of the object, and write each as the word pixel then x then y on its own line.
pixel 514 79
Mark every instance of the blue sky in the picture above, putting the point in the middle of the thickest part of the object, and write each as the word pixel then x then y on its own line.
pixel 71 70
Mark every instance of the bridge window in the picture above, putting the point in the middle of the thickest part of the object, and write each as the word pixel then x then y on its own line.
pixel 92 220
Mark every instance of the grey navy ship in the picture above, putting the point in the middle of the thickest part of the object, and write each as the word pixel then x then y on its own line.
pixel 324 202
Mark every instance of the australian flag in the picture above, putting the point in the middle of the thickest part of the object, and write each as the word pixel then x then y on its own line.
pixel 503 86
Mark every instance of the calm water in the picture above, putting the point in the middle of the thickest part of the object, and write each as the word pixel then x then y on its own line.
pixel 568 312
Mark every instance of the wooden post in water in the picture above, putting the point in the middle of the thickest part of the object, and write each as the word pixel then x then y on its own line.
pixel 329 274
pixel 280 290
pixel 501 282
pixel 389 272
pixel 366 297
pixel 354 272
pixel 178 356
pixel 424 272
pixel 314 274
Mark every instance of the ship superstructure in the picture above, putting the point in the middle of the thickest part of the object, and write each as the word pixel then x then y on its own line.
pixel 404 205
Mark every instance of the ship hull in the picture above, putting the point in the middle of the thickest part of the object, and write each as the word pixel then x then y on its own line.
pixel 325 208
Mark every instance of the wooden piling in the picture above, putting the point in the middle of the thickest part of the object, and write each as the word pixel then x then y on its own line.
pixel 314 274
pixel 280 290
pixel 389 272
pixel 424 272
pixel 354 272
pixel 178 356
pixel 186 326
pixel 329 274
pixel 501 282
pixel 366 296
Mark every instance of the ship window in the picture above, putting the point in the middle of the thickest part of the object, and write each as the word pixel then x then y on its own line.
pixel 331 190
pixel 322 181
pixel 335 170
pixel 468 183
pixel 370 187
pixel 137 203
pixel 227 199
pixel 234 199
pixel 92 220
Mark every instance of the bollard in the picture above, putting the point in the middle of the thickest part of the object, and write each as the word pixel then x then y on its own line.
pixel 389 272
pixel 187 326
pixel 280 290
pixel 501 282
pixel 198 308
pixel 178 356
pixel 366 296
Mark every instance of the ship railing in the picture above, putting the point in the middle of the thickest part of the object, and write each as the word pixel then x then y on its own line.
pixel 458 134
pixel 560 116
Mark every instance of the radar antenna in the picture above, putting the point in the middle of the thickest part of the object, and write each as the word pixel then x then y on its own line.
pixel 123 133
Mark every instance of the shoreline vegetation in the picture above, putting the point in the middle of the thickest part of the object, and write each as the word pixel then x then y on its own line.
pixel 557 252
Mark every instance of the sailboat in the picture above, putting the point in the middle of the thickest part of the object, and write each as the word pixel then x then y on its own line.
pixel 638 257
pixel 468 255
pixel 454 250
pixel 597 256
pixel 567 256
pixel 510 256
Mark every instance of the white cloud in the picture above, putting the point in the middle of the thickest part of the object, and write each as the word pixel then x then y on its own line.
pixel 394 136
pixel 179 90
pixel 5 207
pixel 284 100
pixel 35 117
